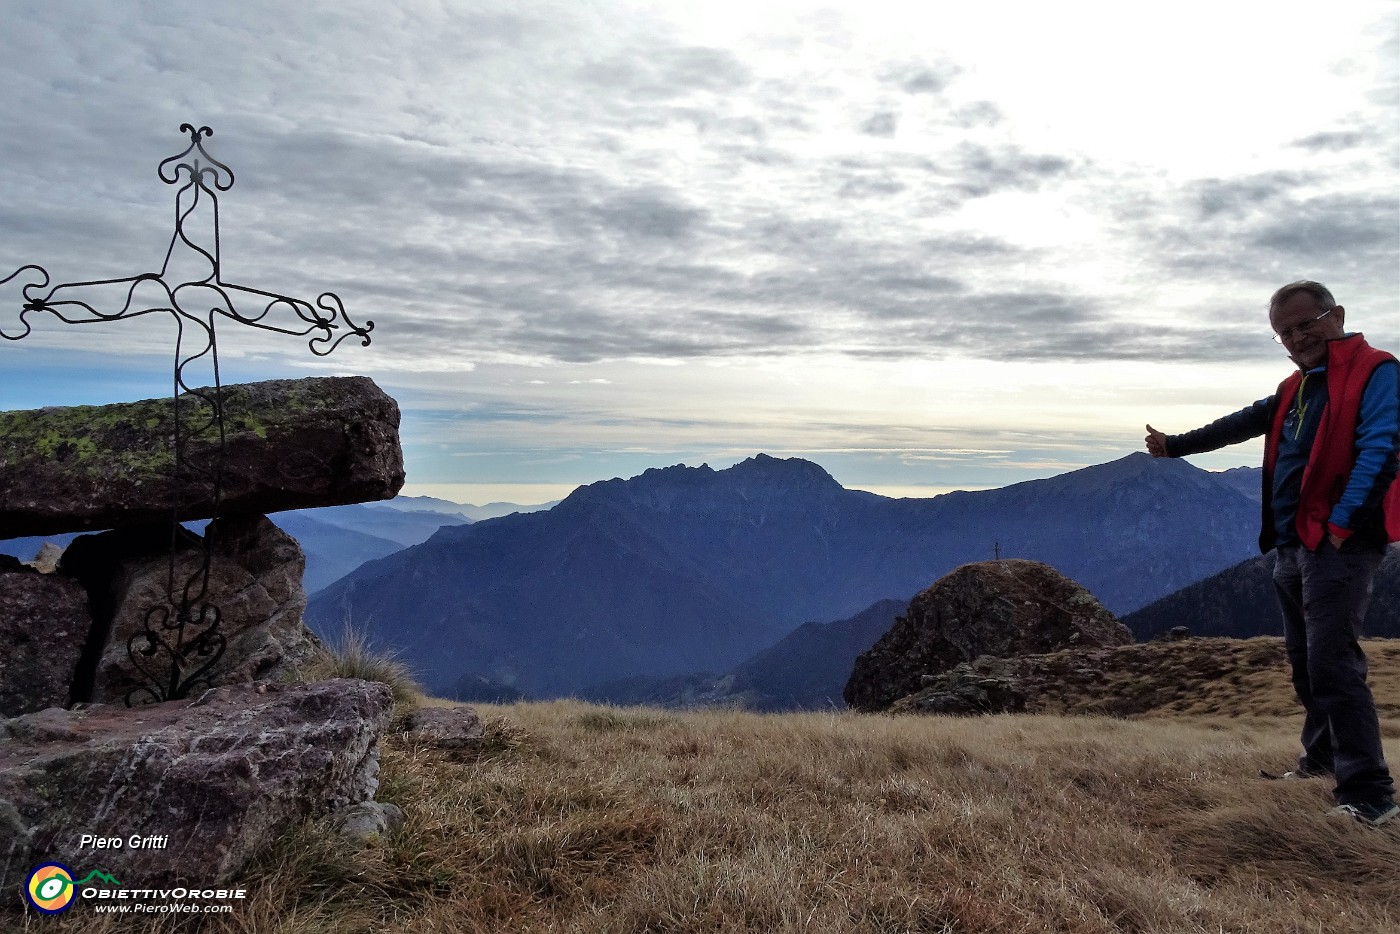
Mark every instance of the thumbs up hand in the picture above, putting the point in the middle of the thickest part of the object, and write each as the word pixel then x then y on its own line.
pixel 1156 442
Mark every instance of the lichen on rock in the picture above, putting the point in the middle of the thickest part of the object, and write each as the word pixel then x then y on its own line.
pixel 287 444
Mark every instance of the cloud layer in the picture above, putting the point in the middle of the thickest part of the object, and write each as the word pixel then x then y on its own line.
pixel 551 184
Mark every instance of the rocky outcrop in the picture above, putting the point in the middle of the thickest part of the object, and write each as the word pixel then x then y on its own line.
pixel 289 444
pixel 44 623
pixel 999 608
pixel 254 581
pixel 183 792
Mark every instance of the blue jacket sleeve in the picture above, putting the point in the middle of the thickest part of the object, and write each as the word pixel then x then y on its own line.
pixel 1377 440
pixel 1249 422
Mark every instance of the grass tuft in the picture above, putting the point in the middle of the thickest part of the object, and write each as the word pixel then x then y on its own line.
pixel 353 655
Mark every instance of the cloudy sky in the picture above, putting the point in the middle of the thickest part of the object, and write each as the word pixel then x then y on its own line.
pixel 929 250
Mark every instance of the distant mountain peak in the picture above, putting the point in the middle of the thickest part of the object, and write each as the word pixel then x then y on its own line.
pixel 1139 463
pixel 782 468
pixel 675 470
pixel 662 484
pixel 1129 467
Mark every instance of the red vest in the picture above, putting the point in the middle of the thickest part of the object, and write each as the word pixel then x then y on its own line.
pixel 1350 363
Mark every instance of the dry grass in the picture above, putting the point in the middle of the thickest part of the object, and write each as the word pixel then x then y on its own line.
pixel 1250 686
pixel 580 818
pixel 1230 677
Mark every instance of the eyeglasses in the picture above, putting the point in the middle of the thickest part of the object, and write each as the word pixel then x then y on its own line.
pixel 1303 328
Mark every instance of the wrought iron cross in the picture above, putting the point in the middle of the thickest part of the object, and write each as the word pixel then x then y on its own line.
pixel 181 640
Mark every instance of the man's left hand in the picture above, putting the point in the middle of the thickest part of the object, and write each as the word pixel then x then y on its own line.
pixel 1336 542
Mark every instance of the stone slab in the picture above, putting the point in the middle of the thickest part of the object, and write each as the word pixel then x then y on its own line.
pixel 289 444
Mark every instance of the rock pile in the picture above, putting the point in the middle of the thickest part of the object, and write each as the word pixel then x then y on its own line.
pixel 183 790
pixel 999 608
pixel 290 444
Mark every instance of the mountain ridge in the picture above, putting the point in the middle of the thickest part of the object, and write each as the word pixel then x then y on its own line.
pixel 726 562
pixel 1239 602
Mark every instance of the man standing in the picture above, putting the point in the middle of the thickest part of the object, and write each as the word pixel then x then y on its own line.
pixel 1331 505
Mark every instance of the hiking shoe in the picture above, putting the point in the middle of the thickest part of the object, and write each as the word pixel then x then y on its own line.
pixel 1371 813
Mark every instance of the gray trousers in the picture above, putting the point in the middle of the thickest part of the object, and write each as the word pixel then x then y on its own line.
pixel 1323 596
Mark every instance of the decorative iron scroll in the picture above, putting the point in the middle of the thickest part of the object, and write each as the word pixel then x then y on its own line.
pixel 181 641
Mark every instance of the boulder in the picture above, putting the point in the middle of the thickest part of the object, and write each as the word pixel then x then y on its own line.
pixel 289 444
pixel 446 727
pixel 1001 608
pixel 254 582
pixel 363 822
pixel 44 623
pixel 183 792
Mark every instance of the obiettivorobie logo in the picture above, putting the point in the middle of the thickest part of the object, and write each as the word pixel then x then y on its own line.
pixel 51 887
